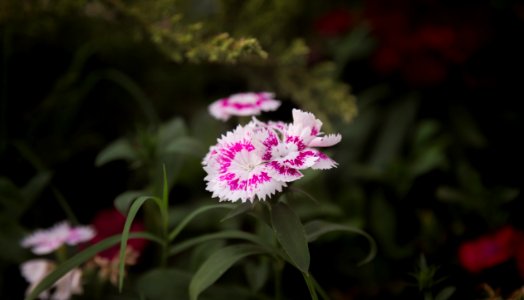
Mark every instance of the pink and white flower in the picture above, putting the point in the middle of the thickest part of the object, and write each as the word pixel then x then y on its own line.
pixel 36 270
pixel 259 159
pixel 45 241
pixel 235 168
pixel 243 104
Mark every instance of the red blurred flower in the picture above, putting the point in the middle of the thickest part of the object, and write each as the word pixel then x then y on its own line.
pixel 110 222
pixel 488 251
pixel 421 40
pixel 334 22
pixel 493 249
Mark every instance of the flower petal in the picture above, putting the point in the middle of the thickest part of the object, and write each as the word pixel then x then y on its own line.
pixel 323 162
pixel 326 141
pixel 282 172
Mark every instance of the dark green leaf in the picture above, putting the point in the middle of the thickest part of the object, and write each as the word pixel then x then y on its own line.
pixel 217 264
pixel 124 200
pixel 186 145
pixel 164 284
pixel 291 235
pixel 172 130
pixel 315 229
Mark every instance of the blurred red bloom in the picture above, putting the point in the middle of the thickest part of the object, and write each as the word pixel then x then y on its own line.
pixel 488 251
pixel 420 41
pixel 493 249
pixel 334 22
pixel 110 222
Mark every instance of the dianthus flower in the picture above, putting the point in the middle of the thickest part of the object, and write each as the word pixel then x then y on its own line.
pixel 45 241
pixel 258 159
pixel 36 270
pixel 243 104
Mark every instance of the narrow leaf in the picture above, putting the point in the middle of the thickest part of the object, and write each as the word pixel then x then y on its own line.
pixel 230 234
pixel 192 215
pixel 291 235
pixel 315 229
pixel 217 264
pixel 81 258
pixel 133 210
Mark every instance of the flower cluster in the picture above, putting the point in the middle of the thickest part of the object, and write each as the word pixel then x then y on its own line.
pixel 243 104
pixel 36 270
pixel 258 159
pixel 45 241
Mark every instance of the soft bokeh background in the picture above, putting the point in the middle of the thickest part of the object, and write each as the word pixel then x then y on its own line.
pixel 431 160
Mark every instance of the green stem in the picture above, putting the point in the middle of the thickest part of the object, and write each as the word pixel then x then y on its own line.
pixel 310 285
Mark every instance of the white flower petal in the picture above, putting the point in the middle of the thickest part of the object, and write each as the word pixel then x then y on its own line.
pixel 325 141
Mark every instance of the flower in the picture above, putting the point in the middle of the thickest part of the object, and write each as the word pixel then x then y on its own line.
pixel 37 269
pixel 258 159
pixel 45 241
pixel 109 222
pixel 243 104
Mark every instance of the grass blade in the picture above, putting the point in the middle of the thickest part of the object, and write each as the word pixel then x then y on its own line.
pixel 133 210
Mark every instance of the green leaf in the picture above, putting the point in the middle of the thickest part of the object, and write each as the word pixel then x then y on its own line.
pixel 124 200
pixel 164 284
pixel 291 235
pixel 257 273
pixel 230 234
pixel 172 130
pixel 119 149
pixel 133 210
pixel 315 229
pixel 81 258
pixel 238 210
pixel 186 145
pixel 192 215
pixel 217 264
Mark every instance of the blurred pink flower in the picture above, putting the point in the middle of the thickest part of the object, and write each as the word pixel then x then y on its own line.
pixel 45 241
pixel 243 104
pixel 37 269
